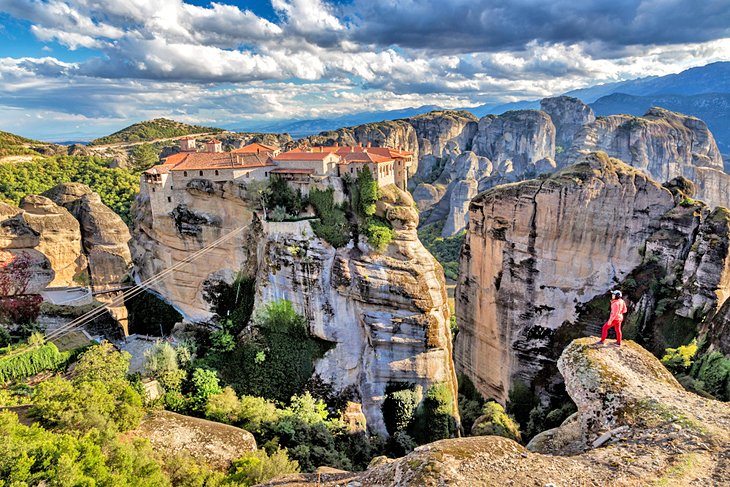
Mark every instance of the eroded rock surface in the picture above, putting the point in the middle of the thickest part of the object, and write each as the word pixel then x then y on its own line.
pixel 569 115
pixel 386 313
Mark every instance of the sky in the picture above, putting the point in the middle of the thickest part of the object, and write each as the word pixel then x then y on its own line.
pixel 77 69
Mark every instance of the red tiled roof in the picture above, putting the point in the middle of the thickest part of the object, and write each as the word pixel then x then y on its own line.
pixel 214 141
pixel 254 147
pixel 292 170
pixel 365 157
pixel 301 156
pixel 193 161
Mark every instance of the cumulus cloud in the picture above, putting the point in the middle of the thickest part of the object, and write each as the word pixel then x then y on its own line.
pixel 319 58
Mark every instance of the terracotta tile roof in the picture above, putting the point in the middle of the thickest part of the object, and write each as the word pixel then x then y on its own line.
pixel 194 161
pixel 292 170
pixel 255 147
pixel 214 141
pixel 297 155
pixel 365 157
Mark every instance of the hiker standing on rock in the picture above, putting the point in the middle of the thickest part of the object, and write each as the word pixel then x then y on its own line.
pixel 618 308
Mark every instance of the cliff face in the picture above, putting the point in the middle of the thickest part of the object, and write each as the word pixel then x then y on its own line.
pixel 569 115
pixel 520 279
pixel 386 313
pixel 664 144
pixel 541 255
pixel 59 237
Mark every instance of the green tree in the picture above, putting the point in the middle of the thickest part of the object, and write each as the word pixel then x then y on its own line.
pixel 204 384
pixel 495 421
pixel 368 192
pixel 142 158
pixel 102 363
pixel 162 363
pixel 259 466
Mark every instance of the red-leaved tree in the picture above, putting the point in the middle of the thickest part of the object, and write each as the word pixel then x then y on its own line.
pixel 16 273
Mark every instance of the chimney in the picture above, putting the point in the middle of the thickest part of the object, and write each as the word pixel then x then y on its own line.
pixel 359 144
pixel 370 144
pixel 337 144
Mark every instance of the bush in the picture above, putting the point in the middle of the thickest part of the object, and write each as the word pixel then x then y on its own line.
pixel 259 466
pixel 713 370
pixel 163 363
pixel 495 421
pixel 521 402
pixel 368 192
pixel 25 363
pixel 399 408
pixel 283 199
pixel 434 418
pixel 332 226
pixel 379 233
pixel 222 341
pixel 102 363
pixel 224 407
pixel 204 384
pixel 679 360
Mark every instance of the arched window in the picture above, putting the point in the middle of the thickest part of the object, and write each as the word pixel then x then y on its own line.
pixel 216 172
pixel 201 173
pixel 185 173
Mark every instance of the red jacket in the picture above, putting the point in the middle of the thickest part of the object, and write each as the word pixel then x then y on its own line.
pixel 618 308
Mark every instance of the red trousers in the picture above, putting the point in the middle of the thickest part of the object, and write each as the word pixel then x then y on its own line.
pixel 616 323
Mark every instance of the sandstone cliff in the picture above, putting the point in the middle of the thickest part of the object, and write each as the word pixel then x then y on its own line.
pixel 635 426
pixel 569 115
pixel 665 145
pixel 386 313
pixel 520 279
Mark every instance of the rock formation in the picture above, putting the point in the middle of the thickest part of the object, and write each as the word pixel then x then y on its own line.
pixel 520 279
pixel 387 313
pixel 665 145
pixel 523 291
pixel 216 444
pixel 59 238
pixel 104 234
pixel 569 115
pixel 635 426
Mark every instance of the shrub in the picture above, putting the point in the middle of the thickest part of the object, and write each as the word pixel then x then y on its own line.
pixel 278 214
pixel 255 412
pixel 713 370
pixel 368 192
pixel 495 421
pixel 521 402
pixel 102 363
pixel 434 418
pixel 399 408
pixel 332 226
pixel 162 363
pixel 26 363
pixel 204 384
pixel 222 341
pixel 224 407
pixel 679 360
pixel 280 196
pixel 379 233
pixel 259 466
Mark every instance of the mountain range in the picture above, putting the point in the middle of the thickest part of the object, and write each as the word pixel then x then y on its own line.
pixel 703 92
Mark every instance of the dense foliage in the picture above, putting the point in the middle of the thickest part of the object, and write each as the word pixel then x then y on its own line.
pixel 282 201
pixel 445 249
pixel 31 360
pixel 379 232
pixel 117 187
pixel 159 128
pixel 367 191
pixel 495 421
pixel 434 419
pixel 332 226
pixel 233 302
pixel 275 357
pixel 143 157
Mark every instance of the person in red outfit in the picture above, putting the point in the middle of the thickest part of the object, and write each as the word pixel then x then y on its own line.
pixel 618 308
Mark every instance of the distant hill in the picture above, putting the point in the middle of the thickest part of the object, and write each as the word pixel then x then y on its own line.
pixel 15 145
pixel 159 128
pixel 304 128
pixel 713 108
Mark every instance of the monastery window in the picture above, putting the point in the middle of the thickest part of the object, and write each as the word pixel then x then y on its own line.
pixel 185 173
pixel 216 172
pixel 248 174
pixel 201 173
pixel 153 189
pixel 169 200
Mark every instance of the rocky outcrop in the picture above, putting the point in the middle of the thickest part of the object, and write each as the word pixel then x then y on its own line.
pixel 59 238
pixel 520 280
pixel 635 426
pixel 442 134
pixel 569 115
pixel 104 234
pixel 217 445
pixel 515 141
pixel 386 313
pixel 665 145
pixel 201 218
